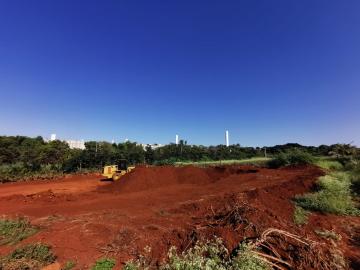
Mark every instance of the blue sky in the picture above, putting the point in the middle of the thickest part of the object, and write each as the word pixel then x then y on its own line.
pixel 270 72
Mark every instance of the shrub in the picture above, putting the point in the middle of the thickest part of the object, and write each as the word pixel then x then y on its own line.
pixel 104 264
pixel 14 231
pixel 211 255
pixel 245 260
pixel 68 265
pixel 39 252
pixel 131 266
pixel 300 216
pixel 291 157
pixel 32 256
pixel 333 196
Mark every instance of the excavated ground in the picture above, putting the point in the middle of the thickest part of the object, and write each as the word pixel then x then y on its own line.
pixel 84 218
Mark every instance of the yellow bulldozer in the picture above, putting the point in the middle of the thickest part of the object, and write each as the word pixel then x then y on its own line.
pixel 115 172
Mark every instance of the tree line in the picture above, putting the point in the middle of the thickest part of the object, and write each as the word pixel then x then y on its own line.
pixel 25 154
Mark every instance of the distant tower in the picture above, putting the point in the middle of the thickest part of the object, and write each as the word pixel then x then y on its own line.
pixel 177 139
pixel 227 138
pixel 53 137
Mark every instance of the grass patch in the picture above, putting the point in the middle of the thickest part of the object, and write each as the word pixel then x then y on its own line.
pixel 333 196
pixel 33 256
pixel 300 216
pixel 211 255
pixel 329 164
pixel 69 265
pixel 104 264
pixel 250 161
pixel 14 231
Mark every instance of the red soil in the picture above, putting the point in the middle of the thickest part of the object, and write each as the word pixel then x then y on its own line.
pixel 84 218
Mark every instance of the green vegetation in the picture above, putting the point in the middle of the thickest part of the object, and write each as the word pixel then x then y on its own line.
pixel 347 154
pixel 24 158
pixel 329 164
pixel 245 260
pixel 291 157
pixel 355 179
pixel 333 196
pixel 104 264
pixel 69 265
pixel 300 216
pixel 18 171
pixel 14 231
pixel 335 191
pixel 328 234
pixel 249 161
pixel 211 255
pixel 33 256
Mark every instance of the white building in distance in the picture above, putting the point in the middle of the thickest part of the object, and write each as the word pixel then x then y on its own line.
pixel 52 137
pixel 152 146
pixel 76 144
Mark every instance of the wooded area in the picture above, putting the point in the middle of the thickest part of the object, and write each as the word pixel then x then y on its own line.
pixel 22 156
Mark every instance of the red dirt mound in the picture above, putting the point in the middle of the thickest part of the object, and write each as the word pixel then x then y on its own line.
pixel 149 178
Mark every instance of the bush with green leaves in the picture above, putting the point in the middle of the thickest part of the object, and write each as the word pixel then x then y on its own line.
pixel 210 255
pixel 333 196
pixel 104 264
pixel 291 157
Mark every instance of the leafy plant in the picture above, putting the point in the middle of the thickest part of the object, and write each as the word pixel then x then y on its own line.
pixel 245 260
pixel 104 264
pixel 14 231
pixel 211 255
pixel 300 216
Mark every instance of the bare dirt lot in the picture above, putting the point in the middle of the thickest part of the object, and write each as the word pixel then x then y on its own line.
pixel 84 218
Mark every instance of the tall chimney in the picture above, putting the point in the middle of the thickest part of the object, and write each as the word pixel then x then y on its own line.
pixel 227 138
pixel 176 139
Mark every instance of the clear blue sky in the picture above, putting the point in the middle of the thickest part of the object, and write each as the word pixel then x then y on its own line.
pixel 270 72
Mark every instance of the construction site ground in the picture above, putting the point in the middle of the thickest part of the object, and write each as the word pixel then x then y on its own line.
pixel 84 217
